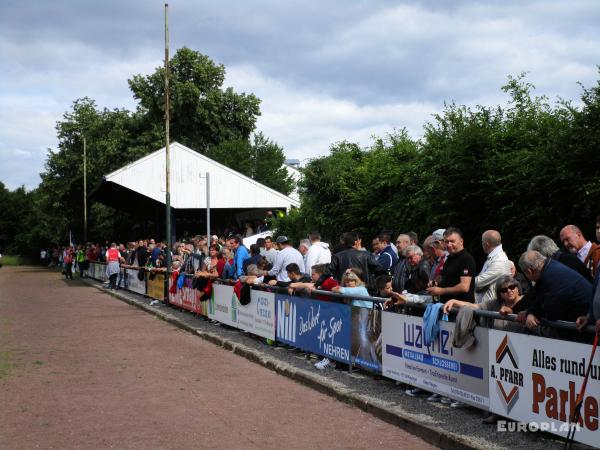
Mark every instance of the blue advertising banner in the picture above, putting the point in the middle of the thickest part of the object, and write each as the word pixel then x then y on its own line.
pixel 366 338
pixel 322 328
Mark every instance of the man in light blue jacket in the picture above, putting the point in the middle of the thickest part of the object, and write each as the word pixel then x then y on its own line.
pixel 241 254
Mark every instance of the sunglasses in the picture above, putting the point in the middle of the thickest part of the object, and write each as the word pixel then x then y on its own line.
pixel 504 290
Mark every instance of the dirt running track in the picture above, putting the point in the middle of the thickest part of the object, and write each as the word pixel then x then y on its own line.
pixel 80 369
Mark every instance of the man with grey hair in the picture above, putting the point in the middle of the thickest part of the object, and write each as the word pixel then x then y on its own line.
pixel 547 247
pixel 303 249
pixel 412 276
pixel 560 293
pixel 402 241
pixel 495 266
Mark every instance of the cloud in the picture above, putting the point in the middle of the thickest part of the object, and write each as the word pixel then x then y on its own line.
pixel 325 71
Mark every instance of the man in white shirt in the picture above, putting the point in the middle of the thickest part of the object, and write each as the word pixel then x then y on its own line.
pixel 287 255
pixel 587 252
pixel 496 265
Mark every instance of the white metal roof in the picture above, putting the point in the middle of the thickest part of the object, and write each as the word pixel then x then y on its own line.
pixel 228 188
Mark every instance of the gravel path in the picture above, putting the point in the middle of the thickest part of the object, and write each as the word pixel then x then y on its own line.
pixel 460 426
pixel 81 369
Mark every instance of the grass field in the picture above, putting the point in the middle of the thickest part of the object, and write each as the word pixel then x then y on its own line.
pixel 14 260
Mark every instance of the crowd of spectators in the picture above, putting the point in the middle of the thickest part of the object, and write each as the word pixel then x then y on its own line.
pixel 545 283
pixel 552 283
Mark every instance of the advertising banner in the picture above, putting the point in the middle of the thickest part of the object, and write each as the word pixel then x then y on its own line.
pixel 132 283
pixel 537 380
pixel 156 286
pixel 223 305
pixel 100 272
pixel 97 271
pixel 318 327
pixel 188 298
pixel 258 316
pixel 91 272
pixel 366 338
pixel 461 374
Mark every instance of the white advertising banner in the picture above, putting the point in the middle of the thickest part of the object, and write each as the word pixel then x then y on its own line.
pixel 132 283
pixel 461 374
pixel 537 380
pixel 258 316
pixel 101 272
pixel 223 305
pixel 97 271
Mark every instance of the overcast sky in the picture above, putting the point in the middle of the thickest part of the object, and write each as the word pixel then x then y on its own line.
pixel 324 70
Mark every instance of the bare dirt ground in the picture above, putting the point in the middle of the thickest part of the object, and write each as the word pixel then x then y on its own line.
pixel 80 369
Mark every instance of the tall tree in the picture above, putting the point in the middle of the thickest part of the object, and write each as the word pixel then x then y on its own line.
pixel 203 114
pixel 262 160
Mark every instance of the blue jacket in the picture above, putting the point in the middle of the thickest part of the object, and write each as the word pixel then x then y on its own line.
pixel 241 254
pixel 431 326
pixel 388 259
pixel 561 293
pixel 228 271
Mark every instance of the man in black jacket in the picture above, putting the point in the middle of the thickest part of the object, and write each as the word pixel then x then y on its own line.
pixel 353 256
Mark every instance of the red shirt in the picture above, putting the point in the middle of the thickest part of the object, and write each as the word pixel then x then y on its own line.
pixel 327 285
pixel 112 254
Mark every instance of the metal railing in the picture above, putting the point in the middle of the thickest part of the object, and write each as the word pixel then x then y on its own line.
pixel 558 324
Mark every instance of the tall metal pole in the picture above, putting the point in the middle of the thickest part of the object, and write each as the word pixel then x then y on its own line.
pixel 84 192
pixel 208 208
pixel 167 151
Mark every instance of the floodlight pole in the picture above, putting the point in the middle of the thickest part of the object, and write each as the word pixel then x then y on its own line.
pixel 167 150
pixel 208 208
pixel 84 192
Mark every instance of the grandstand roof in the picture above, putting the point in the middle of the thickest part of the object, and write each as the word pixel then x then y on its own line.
pixel 144 181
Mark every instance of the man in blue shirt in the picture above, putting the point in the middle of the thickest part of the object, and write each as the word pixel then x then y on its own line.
pixel 156 251
pixel 386 256
pixel 241 254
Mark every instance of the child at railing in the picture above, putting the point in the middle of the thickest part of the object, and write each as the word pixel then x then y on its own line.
pixel 352 284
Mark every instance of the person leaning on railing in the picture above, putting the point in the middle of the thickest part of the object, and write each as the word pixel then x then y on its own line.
pixel 321 279
pixel 352 284
pixel 383 283
pixel 295 276
pixel 560 293
pixel 508 295
pixel 413 276
pixel 593 316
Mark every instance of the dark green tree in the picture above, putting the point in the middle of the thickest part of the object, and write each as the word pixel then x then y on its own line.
pixel 203 114
pixel 526 168
pixel 262 160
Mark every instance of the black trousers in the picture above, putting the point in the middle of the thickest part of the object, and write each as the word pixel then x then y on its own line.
pixel 113 280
